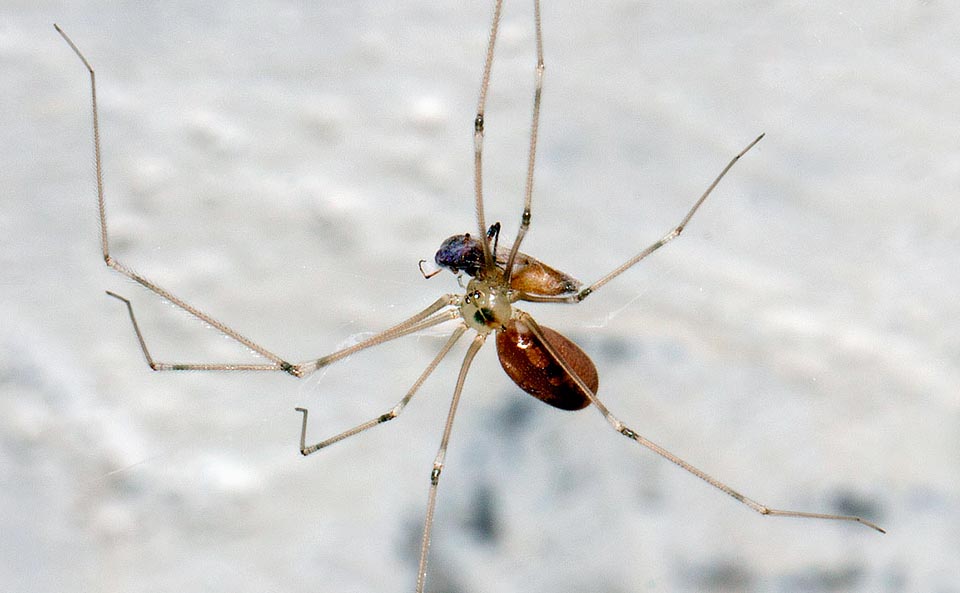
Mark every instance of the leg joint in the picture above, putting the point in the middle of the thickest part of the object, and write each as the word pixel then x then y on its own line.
pixel 293 369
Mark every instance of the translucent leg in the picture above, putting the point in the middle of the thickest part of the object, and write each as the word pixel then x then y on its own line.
pixel 673 234
pixel 488 258
pixel 532 153
pixel 278 363
pixel 438 461
pixel 420 321
pixel 389 415
pixel 630 434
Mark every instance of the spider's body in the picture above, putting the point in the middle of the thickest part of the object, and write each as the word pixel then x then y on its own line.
pixel 486 306
pixel 538 359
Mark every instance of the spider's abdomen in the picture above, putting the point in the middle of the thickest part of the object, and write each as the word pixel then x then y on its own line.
pixel 532 368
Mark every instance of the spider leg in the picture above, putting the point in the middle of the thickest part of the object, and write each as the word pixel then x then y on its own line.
pixel 673 234
pixel 439 460
pixel 488 257
pixel 417 322
pixel 634 436
pixel 166 366
pixel 422 320
pixel 387 416
pixel 532 154
pixel 278 362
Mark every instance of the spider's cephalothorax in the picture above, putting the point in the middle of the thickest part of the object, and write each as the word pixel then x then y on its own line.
pixel 485 305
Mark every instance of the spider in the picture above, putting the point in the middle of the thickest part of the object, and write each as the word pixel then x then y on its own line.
pixel 540 360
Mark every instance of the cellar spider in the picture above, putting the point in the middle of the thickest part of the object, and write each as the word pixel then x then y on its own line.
pixel 538 359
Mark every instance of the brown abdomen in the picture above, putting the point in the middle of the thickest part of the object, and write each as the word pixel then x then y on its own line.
pixel 532 368
pixel 535 277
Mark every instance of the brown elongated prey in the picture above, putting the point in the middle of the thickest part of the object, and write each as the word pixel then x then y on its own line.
pixel 540 360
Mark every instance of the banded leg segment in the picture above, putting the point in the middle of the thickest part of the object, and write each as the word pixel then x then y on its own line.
pixel 429 317
pixel 422 320
pixel 419 321
pixel 438 462
pixel 385 417
pixel 278 362
pixel 478 123
pixel 532 154
pixel 168 366
pixel 673 234
pixel 643 441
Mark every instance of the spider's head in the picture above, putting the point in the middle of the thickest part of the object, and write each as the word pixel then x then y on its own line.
pixel 485 306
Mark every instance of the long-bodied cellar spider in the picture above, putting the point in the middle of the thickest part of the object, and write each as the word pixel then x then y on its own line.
pixel 538 359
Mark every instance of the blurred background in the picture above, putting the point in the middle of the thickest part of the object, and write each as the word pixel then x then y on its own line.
pixel 285 165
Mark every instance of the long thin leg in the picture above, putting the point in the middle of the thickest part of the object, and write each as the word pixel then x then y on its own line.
pixel 630 434
pixel 167 366
pixel 279 363
pixel 673 234
pixel 418 322
pixel 488 263
pixel 438 461
pixel 276 363
pixel 385 417
pixel 422 320
pixel 532 155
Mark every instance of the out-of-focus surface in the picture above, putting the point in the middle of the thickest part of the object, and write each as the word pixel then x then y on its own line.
pixel 284 168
